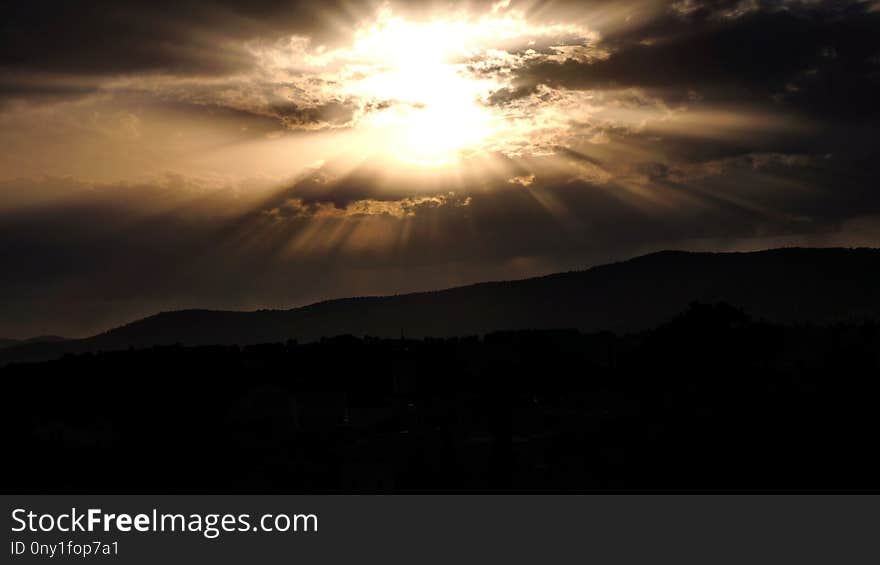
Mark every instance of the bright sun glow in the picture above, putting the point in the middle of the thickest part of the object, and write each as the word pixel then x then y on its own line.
pixel 430 92
pixel 430 109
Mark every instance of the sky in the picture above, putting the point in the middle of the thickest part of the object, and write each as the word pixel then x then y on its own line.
pixel 269 154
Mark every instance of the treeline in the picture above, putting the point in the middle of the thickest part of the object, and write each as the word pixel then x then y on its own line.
pixel 710 400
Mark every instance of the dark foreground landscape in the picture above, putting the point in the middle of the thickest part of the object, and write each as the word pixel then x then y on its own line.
pixel 709 400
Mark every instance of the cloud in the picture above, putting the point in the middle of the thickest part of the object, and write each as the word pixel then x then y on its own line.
pixel 292 75
pixel 815 57
pixel 522 180
pixel 403 208
pixel 192 37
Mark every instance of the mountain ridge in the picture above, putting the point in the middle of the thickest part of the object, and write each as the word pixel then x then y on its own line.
pixel 788 285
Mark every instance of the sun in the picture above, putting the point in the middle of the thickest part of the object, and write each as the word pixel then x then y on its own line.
pixel 427 109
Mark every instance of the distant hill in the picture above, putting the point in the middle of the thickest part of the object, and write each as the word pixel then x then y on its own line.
pixel 31 340
pixel 782 285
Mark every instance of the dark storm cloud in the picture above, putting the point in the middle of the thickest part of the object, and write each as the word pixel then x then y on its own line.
pixel 818 58
pixel 811 65
pixel 123 36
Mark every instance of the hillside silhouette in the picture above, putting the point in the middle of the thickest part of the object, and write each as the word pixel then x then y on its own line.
pixel 783 286
pixel 31 340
